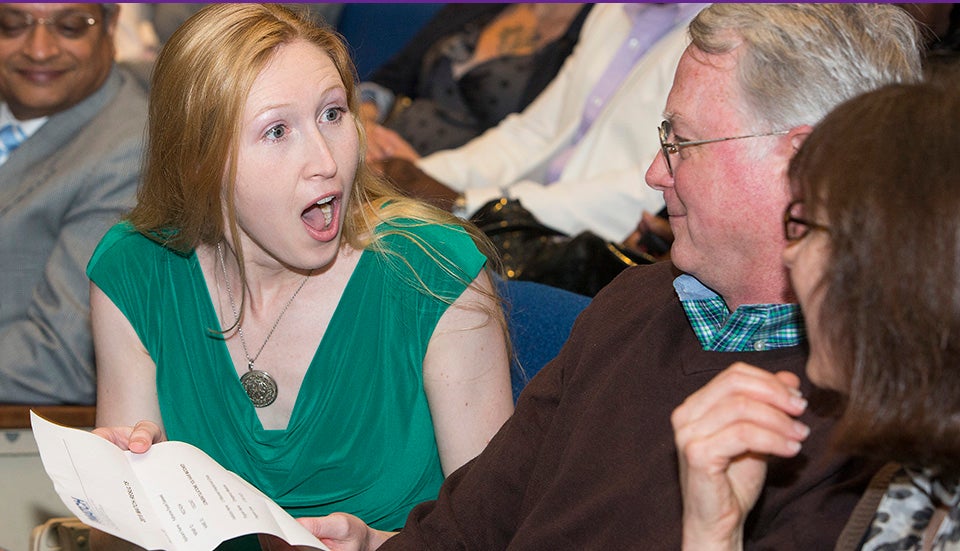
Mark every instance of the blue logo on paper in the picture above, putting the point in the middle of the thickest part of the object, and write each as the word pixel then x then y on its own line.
pixel 86 509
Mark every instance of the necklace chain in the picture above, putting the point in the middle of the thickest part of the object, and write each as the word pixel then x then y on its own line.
pixel 236 315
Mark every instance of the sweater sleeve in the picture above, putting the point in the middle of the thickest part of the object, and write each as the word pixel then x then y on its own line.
pixel 480 506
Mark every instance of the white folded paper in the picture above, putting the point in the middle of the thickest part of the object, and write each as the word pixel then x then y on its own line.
pixel 173 497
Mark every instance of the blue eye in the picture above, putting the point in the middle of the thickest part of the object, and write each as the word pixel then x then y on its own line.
pixel 333 114
pixel 276 132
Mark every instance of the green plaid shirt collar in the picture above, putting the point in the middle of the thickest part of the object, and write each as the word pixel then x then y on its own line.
pixel 751 327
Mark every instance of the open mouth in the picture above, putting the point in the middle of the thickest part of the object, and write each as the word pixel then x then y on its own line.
pixel 320 215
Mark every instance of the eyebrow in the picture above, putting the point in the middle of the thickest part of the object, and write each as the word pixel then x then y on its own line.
pixel 674 118
pixel 324 92
pixel 272 107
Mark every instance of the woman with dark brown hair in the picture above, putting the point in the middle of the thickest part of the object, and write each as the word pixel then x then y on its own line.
pixel 873 251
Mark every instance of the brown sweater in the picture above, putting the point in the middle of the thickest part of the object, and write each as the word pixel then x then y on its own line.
pixel 588 459
pixel 861 518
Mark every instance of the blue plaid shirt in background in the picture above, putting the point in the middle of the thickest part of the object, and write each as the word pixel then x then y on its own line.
pixel 751 327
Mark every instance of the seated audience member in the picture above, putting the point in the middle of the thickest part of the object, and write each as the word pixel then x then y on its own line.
pixel 71 132
pixel 653 235
pixel 873 248
pixel 573 158
pixel 588 459
pixel 463 72
pixel 555 187
pixel 269 301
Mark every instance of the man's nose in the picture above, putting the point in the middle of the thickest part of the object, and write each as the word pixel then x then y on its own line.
pixel 40 42
pixel 657 176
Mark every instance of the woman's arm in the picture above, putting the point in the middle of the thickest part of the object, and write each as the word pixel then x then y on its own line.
pixel 128 413
pixel 466 375
pixel 126 374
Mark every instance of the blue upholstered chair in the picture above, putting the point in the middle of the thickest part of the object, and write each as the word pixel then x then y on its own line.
pixel 539 318
pixel 377 31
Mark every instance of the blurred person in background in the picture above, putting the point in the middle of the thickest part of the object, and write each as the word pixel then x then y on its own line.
pixel 71 133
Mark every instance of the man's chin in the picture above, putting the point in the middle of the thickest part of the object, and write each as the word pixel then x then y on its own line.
pixel 38 106
pixel 680 254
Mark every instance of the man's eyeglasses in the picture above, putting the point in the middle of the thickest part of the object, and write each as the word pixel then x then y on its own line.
pixel 67 24
pixel 672 148
pixel 795 226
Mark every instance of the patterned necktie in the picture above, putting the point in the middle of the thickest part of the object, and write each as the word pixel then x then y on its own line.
pixel 11 136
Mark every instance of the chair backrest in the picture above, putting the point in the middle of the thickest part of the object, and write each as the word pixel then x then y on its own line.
pixel 61 534
pixel 539 318
pixel 374 32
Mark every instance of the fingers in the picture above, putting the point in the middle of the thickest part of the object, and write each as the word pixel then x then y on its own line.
pixel 747 421
pixel 643 225
pixel 384 143
pixel 339 530
pixel 744 409
pixel 115 435
pixel 375 148
pixel 399 147
pixel 713 451
pixel 137 439
pixel 657 225
pixel 344 532
pixel 330 529
pixel 790 380
pixel 633 240
pixel 752 383
pixel 143 435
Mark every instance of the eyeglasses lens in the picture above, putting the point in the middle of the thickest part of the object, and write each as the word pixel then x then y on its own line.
pixel 794 226
pixel 665 130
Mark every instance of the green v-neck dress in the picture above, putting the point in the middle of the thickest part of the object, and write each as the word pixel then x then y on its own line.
pixel 360 438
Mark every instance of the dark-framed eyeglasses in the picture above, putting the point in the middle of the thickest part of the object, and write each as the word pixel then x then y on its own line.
pixel 795 226
pixel 70 24
pixel 666 128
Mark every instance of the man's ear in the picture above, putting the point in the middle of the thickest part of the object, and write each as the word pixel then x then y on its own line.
pixel 798 135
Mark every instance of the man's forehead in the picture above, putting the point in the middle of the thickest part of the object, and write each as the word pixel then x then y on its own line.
pixel 704 85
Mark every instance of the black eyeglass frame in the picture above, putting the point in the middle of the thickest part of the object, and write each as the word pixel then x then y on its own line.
pixel 796 227
pixel 54 23
pixel 669 148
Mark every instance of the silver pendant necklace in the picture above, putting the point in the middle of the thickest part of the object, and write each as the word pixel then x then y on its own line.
pixel 258 384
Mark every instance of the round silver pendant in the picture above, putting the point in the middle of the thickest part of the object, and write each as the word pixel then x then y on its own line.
pixel 260 387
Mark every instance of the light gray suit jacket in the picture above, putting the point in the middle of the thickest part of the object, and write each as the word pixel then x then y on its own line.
pixel 59 193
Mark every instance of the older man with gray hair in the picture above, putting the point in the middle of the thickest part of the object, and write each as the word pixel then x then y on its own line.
pixel 71 131
pixel 588 460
